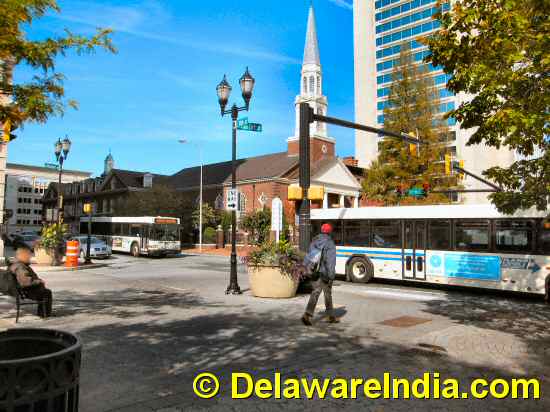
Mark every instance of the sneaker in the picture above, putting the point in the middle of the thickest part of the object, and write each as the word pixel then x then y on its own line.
pixel 333 319
pixel 306 320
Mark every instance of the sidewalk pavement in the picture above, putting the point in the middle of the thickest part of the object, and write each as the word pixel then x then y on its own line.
pixel 146 338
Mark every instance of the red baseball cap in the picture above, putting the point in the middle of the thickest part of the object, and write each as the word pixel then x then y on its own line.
pixel 326 228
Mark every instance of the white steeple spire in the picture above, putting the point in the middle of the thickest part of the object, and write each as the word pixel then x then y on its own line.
pixel 311 84
pixel 311 51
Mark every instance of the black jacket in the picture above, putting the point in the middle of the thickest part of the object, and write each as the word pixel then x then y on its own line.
pixel 328 264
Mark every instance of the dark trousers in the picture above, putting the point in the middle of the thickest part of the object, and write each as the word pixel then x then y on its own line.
pixel 39 292
pixel 320 286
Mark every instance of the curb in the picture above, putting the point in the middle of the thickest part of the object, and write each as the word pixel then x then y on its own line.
pixel 69 269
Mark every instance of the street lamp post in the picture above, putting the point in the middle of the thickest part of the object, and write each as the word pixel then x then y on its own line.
pixel 62 148
pixel 184 141
pixel 224 91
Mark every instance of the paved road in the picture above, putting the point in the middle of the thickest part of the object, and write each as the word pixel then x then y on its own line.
pixel 150 325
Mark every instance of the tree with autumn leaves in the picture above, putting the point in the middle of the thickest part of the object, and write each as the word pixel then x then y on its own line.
pixel 413 107
pixel 42 96
pixel 498 51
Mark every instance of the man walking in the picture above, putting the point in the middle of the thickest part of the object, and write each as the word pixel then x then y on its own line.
pixel 35 288
pixel 324 272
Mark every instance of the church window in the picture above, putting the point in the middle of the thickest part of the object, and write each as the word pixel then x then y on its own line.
pixel 305 85
pixel 242 203
pixel 219 203
pixel 319 85
pixel 311 84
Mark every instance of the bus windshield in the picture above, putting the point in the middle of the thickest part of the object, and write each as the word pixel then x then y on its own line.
pixel 168 233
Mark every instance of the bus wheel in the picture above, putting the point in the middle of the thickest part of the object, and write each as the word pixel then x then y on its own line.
pixel 360 270
pixel 134 250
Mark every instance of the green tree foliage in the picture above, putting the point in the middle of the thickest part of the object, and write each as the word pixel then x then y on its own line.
pixel 43 95
pixel 209 216
pixel 157 201
pixel 498 51
pixel 413 108
pixel 258 225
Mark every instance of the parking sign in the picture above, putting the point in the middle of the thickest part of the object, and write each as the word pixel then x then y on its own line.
pixel 232 200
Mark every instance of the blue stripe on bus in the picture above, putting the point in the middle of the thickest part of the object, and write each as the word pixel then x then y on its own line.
pixel 375 257
pixel 377 252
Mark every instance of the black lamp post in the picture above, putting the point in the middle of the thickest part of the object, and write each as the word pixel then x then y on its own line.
pixel 62 148
pixel 224 91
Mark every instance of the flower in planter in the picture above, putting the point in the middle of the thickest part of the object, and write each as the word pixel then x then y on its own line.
pixel 283 255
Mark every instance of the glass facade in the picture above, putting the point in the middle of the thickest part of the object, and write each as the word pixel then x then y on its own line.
pixel 401 22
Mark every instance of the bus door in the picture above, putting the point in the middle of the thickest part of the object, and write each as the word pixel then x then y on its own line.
pixel 414 250
pixel 144 238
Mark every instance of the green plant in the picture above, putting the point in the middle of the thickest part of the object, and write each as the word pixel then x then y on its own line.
pixel 282 254
pixel 258 224
pixel 52 236
pixel 209 235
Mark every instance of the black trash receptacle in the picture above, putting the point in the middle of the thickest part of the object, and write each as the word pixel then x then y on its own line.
pixel 39 371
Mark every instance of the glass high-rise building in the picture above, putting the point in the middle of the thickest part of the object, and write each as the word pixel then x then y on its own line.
pixel 381 29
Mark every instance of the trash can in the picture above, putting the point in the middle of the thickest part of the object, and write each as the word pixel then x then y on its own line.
pixel 39 371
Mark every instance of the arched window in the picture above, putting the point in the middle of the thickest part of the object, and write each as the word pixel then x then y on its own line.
pixel 319 85
pixel 305 85
pixel 242 203
pixel 311 84
pixel 219 203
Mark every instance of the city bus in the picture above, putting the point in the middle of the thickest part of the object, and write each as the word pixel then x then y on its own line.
pixel 462 245
pixel 152 236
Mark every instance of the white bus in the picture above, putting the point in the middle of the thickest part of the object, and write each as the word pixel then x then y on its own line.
pixel 464 245
pixel 153 236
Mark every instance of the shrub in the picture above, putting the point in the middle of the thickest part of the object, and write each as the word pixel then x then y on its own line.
pixel 258 224
pixel 282 254
pixel 52 236
pixel 209 235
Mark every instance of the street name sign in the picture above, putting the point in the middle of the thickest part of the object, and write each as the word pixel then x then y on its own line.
pixel 243 124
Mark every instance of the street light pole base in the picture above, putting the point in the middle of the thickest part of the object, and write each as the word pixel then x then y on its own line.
pixel 233 290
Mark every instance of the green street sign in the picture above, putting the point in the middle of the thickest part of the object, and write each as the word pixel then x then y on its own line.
pixel 243 124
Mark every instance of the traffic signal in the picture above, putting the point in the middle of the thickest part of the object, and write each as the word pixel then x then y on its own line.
pixel 448 165
pixel 316 193
pixel 7 136
pixel 295 192
pixel 461 165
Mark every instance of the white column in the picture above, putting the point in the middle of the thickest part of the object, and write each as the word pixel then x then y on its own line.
pixel 342 201
pixel 325 201
pixel 356 202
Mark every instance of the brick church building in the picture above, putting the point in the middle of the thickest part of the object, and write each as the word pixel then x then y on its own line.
pixel 259 179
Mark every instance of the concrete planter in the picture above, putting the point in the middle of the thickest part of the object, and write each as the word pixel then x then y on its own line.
pixel 269 282
pixel 48 257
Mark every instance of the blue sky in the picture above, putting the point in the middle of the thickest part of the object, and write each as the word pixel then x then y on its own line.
pixel 160 87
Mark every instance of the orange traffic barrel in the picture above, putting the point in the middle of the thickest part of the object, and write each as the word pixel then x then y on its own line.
pixel 73 249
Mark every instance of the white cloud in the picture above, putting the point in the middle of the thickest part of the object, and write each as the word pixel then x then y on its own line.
pixel 138 21
pixel 343 3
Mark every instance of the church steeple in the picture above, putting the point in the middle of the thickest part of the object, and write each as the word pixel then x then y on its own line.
pixel 311 52
pixel 311 92
pixel 108 164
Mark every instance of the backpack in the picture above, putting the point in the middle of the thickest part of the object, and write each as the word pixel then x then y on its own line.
pixel 313 260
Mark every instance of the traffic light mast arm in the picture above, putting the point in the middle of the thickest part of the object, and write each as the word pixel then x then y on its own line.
pixel 357 126
pixel 482 180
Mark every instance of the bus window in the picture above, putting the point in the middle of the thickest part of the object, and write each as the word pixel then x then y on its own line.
pixel 472 235
pixel 116 229
pixel 514 235
pixel 134 230
pixel 544 238
pixel 439 235
pixel 386 233
pixel 124 229
pixel 356 233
